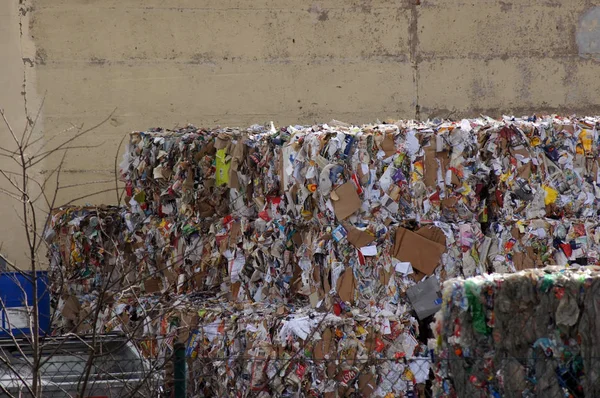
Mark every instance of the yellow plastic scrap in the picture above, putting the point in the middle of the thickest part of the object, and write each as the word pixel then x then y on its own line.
pixel 586 141
pixel 76 256
pixel 551 195
pixel 222 168
pixel 418 171
pixel 466 189
pixel 360 331
pixel 521 226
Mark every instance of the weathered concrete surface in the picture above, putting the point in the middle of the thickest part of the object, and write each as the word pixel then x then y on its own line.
pixel 17 98
pixel 226 62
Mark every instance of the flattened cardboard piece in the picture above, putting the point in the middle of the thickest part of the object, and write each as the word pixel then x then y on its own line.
pixel 425 297
pixel 449 203
pixel 432 233
pixel 521 150
pixel 234 233
pixel 296 281
pixel 234 181
pixel 455 180
pixel 363 177
pixel 236 162
pixel 170 275
pixel 322 347
pixel 199 279
pixel 235 290
pixel 431 166
pixel 515 232
pixel 345 201
pixel 357 237
pixel 297 239
pixel 71 309
pixel 423 254
pixel 317 275
pixel 189 322
pixel 385 276
pixel 346 285
pixel 522 261
pixel 525 171
pixel 388 145
pixel 444 158
pixel 153 285
pixel 534 256
pixel 367 384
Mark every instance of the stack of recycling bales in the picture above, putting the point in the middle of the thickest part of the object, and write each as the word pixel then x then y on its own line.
pixel 290 224
pixel 533 333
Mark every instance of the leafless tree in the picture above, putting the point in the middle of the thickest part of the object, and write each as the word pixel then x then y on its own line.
pixel 37 200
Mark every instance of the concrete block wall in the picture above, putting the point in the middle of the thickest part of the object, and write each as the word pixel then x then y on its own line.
pixel 226 62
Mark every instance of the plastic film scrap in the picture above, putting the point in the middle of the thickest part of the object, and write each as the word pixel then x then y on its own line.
pixel 528 334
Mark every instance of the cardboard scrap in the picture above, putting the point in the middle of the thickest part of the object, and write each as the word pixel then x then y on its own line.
pixel 71 309
pixel 323 347
pixel 522 261
pixel 345 200
pixel 153 285
pixel 346 285
pixel 357 237
pixel 423 254
pixel 433 234
pixel 388 146
pixel 431 167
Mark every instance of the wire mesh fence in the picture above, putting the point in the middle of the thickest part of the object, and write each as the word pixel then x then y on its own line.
pixel 67 378
pixel 108 367
pixel 542 374
pixel 524 377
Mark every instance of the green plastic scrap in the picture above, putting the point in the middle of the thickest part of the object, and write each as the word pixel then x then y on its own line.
pixel 140 197
pixel 547 282
pixel 477 310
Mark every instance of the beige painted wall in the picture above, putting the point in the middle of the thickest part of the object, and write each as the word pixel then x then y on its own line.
pixel 226 62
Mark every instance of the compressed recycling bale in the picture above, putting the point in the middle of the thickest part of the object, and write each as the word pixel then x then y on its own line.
pixel 525 334
pixel 348 219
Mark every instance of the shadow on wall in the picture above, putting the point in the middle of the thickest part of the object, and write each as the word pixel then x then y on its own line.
pixel 588 34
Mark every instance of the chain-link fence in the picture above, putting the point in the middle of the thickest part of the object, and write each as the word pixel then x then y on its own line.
pixel 67 368
pixel 535 376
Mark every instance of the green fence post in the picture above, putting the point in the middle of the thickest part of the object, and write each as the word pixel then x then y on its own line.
pixel 179 371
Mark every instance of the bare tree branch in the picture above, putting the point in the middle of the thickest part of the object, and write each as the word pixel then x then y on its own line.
pixel 116 172
pixel 9 127
pixel 64 144
pixel 26 137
